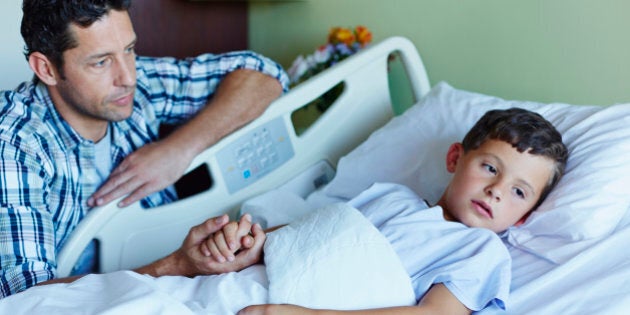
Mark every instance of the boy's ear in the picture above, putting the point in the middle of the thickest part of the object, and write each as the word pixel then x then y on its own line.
pixel 43 68
pixel 523 219
pixel 455 151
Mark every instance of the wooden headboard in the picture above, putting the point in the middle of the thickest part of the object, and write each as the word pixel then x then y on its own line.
pixel 182 28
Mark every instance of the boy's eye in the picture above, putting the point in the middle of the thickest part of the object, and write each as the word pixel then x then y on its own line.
pixel 490 168
pixel 519 192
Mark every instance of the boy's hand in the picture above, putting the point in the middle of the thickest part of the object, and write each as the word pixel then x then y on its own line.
pixel 245 256
pixel 276 309
pixel 234 236
pixel 190 260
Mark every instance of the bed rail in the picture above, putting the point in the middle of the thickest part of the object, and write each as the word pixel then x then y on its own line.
pixel 131 237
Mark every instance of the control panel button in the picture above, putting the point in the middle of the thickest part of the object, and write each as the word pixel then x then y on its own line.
pixel 255 154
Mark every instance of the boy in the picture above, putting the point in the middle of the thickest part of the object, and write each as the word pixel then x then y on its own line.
pixel 504 168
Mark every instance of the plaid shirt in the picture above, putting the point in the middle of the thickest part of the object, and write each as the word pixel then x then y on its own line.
pixel 47 169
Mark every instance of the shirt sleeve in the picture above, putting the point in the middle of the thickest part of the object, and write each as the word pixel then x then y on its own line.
pixel 479 272
pixel 27 250
pixel 472 263
pixel 178 88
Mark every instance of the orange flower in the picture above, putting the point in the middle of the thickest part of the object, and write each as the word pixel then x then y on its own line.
pixel 339 35
pixel 364 36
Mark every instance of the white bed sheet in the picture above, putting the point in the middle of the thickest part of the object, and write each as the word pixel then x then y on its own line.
pixel 596 281
pixel 126 292
pixel 300 269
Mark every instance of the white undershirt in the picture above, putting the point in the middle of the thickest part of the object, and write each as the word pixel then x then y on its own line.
pixel 102 156
pixel 103 164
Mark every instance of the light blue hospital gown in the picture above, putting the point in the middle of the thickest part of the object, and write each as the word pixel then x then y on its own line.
pixel 472 263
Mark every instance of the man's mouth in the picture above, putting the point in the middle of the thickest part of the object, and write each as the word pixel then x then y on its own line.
pixel 123 100
pixel 483 208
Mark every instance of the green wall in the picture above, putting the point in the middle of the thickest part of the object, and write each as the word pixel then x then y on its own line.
pixel 572 51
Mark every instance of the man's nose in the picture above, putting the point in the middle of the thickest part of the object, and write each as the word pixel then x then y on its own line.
pixel 126 74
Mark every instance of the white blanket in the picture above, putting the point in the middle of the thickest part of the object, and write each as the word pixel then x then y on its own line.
pixel 332 258
pixel 335 258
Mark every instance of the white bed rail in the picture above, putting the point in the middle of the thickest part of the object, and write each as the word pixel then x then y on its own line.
pixel 131 237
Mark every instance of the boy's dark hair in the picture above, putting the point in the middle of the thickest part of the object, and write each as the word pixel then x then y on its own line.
pixel 45 24
pixel 525 131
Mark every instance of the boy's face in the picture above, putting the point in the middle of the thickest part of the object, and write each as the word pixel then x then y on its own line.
pixel 493 186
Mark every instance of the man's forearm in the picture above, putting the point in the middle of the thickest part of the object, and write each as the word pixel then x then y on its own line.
pixel 242 96
pixel 61 280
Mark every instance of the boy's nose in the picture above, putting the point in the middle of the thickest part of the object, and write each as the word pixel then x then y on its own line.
pixel 494 191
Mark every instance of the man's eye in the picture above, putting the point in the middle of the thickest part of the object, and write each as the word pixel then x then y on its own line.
pixel 100 63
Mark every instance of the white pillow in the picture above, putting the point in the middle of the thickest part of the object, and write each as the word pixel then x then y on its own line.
pixel 587 204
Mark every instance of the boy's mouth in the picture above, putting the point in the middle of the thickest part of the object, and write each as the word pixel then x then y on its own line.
pixel 483 208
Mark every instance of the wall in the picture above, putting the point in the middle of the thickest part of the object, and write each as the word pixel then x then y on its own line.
pixel 13 66
pixel 573 51
pixel 188 28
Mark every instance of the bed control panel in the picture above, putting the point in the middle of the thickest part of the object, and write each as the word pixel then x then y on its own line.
pixel 255 154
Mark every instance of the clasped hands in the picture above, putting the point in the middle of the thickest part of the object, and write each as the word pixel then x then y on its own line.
pixel 233 246
pixel 240 238
pixel 219 246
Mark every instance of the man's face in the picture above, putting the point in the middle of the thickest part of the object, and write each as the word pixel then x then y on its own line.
pixel 493 186
pixel 100 75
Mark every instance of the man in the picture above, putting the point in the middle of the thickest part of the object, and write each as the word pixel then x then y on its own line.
pixel 94 108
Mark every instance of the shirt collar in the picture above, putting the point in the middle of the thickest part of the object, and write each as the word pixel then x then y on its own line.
pixel 70 137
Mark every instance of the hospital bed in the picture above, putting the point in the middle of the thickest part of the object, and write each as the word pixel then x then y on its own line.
pixel 568 258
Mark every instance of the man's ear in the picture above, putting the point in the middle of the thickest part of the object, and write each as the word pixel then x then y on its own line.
pixel 455 151
pixel 43 68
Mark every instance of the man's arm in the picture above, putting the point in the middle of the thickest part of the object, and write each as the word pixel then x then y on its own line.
pixel 242 96
pixel 27 235
pixel 189 260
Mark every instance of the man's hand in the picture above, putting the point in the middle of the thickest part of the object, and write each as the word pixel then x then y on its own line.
pixel 190 261
pixel 149 169
pixel 193 254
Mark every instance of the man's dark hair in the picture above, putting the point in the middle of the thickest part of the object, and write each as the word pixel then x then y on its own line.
pixel 46 23
pixel 527 132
